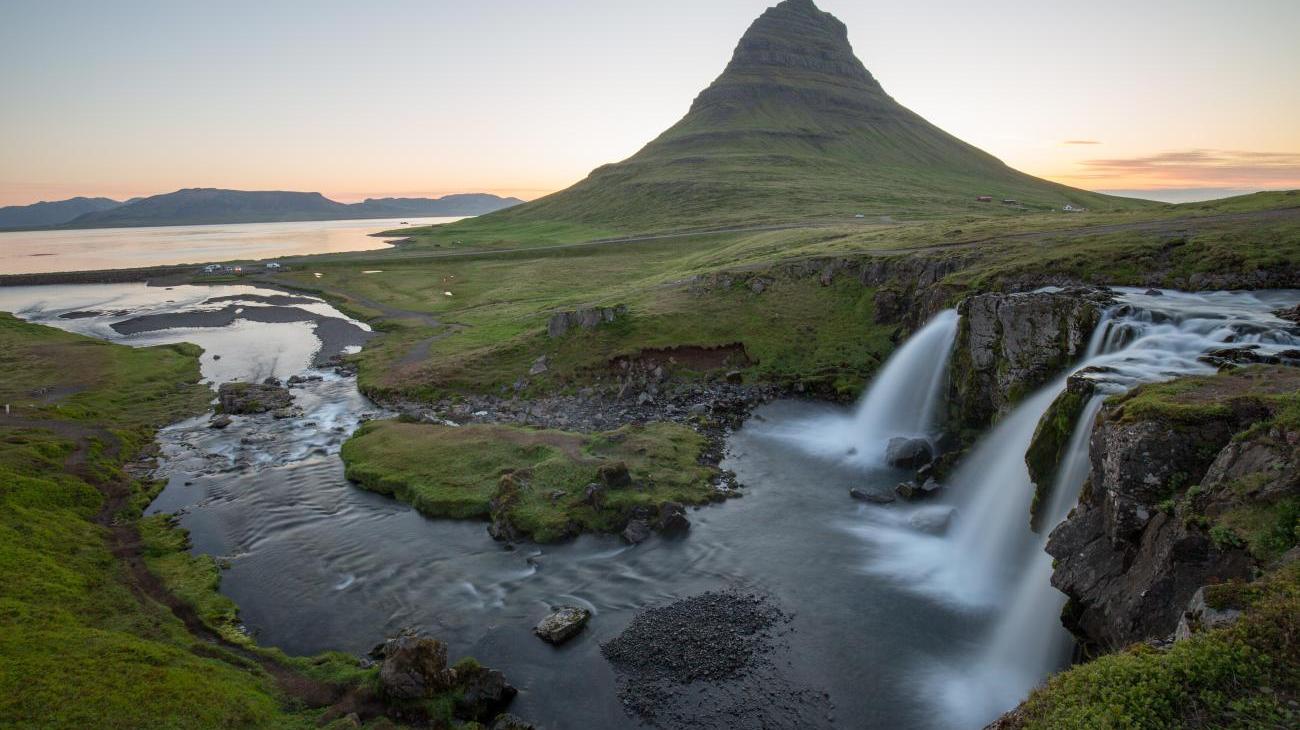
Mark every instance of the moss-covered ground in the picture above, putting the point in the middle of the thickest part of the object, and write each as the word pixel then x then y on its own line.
pixel 82 642
pixel 536 477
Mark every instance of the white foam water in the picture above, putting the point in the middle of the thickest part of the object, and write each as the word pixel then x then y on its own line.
pixel 990 563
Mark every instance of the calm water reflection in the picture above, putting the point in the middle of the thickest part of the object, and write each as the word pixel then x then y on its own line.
pixel 27 252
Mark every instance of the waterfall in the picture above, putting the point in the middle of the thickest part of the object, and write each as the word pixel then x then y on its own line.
pixel 904 399
pixel 989 565
pixel 1145 338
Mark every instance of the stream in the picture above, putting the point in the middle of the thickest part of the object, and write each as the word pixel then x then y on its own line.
pixel 937 615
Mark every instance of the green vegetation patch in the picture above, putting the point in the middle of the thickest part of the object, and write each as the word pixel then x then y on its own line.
pixel 534 478
pixel 1272 390
pixel 1046 451
pixel 1243 676
pixel 78 648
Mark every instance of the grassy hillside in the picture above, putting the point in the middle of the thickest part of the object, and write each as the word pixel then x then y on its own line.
pixel 84 638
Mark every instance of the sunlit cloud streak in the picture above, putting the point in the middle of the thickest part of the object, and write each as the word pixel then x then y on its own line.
pixel 1200 166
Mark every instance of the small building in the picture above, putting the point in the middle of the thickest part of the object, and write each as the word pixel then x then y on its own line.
pixel 984 199
pixel 860 215
pixel 211 268
pixel 273 265
pixel 1070 208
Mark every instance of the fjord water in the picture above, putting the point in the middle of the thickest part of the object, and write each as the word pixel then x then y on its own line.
pixel 95 249
pixel 904 624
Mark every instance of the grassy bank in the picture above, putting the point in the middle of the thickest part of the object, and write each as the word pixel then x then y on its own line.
pixel 84 640
pixel 534 479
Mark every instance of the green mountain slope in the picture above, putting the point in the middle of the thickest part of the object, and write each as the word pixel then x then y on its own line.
pixel 795 128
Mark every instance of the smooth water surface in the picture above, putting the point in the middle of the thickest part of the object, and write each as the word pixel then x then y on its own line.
pixel 29 252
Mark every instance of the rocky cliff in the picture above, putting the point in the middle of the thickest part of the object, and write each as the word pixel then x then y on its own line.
pixel 1192 483
pixel 1009 345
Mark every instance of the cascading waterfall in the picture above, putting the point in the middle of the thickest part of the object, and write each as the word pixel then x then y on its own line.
pixel 904 400
pixel 989 563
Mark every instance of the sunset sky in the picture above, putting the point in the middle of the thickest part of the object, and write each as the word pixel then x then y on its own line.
pixel 519 97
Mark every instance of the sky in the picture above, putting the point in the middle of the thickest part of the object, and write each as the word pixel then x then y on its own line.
pixel 1194 98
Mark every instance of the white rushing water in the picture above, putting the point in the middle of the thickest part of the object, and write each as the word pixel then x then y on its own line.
pixel 990 562
pixel 904 399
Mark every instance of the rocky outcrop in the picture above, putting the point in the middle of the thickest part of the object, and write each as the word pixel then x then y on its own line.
pixel 1008 345
pixel 1144 537
pixel 1052 438
pixel 588 318
pixel 253 398
pixel 414 668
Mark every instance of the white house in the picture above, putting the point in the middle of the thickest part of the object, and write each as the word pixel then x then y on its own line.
pixel 273 265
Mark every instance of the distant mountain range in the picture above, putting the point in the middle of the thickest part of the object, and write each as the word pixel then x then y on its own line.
pixel 200 206
pixel 52 213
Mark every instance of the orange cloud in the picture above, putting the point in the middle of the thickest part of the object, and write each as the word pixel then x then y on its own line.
pixel 1199 167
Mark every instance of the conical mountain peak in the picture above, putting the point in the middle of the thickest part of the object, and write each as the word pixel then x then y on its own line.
pixel 794 128
pixel 795 49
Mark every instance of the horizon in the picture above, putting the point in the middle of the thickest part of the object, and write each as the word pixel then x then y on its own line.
pixel 356 106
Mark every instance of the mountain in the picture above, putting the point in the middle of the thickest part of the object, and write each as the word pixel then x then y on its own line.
pixel 795 128
pixel 449 205
pixel 199 206
pixel 52 213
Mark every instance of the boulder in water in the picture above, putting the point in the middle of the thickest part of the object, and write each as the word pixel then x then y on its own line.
pixel 252 398
pixel 562 624
pixel 909 453
pixel 672 518
pixel 481 692
pixel 219 421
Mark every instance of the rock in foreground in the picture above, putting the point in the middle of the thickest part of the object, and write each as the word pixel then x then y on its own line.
pixel 562 624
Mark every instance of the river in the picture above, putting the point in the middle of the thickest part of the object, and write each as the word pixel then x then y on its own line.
pixel 900 621
pixel 32 252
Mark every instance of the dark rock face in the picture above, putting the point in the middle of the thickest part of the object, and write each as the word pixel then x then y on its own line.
pixel 588 319
pixel 909 453
pixel 562 624
pixel 672 519
pixel 415 668
pixel 637 531
pixel 482 693
pixel 252 398
pixel 1128 562
pixel 1008 345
